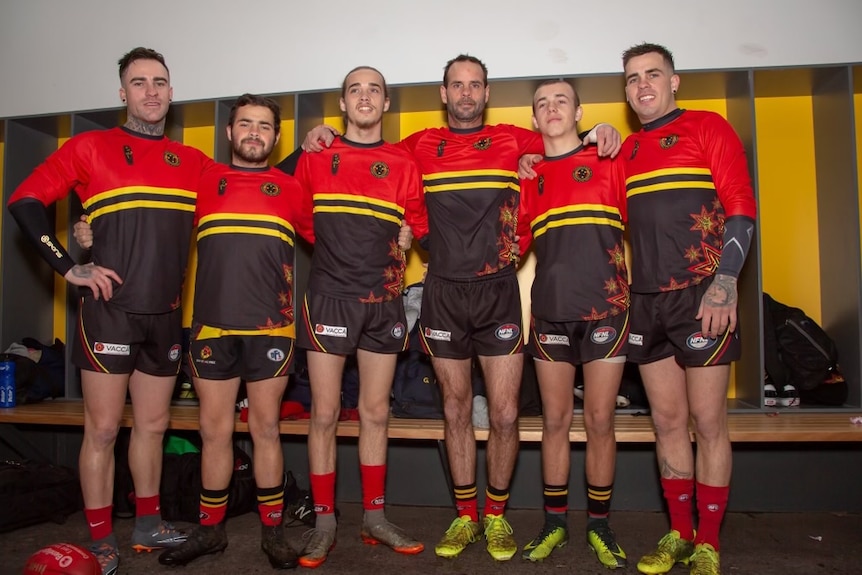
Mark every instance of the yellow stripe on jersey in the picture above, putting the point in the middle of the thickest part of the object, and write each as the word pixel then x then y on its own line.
pixel 117 192
pixel 135 204
pixel 357 211
pixel 577 221
pixel 464 180
pixel 209 332
pixel 246 218
pixel 669 179
pixel 245 230
pixel 668 172
pixel 359 199
pixel 540 224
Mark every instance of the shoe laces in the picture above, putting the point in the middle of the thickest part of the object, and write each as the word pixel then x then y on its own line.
pixel 167 528
pixel 547 529
pixel 705 556
pixel 497 528
pixel 459 527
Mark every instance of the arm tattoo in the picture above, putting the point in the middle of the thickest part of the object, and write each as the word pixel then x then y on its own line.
pixel 136 125
pixel 722 292
pixel 669 472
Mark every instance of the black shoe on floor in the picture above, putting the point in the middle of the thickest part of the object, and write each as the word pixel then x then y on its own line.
pixel 204 540
pixel 280 554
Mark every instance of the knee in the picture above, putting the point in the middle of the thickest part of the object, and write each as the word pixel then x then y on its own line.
pixel 504 418
pixel 556 421
pixel 458 410
pixel 154 423
pixel 599 423
pixel 102 435
pixel 710 428
pixel 215 432
pixel 325 416
pixel 264 428
pixel 374 413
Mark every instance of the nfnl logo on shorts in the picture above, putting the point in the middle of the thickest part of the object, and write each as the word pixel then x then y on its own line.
pixel 174 353
pixel 398 330
pixel 636 339
pixel 603 335
pixel 507 331
pixel 330 330
pixel 111 348
pixel 697 341
pixel 275 354
pixel 438 334
pixel 553 339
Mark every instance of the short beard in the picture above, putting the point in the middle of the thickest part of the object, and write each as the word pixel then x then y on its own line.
pixel 464 116
pixel 252 155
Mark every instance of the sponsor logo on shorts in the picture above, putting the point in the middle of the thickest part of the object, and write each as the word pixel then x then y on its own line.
pixel 398 330
pixel 378 500
pixel 111 348
pixel 206 352
pixel 438 334
pixel 636 339
pixel 553 339
pixel 697 341
pixel 275 354
pixel 330 330
pixel 174 353
pixel 507 331
pixel 602 335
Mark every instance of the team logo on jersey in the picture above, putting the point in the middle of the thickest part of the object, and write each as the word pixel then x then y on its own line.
pixel 635 150
pixel 222 186
pixel 174 353
pixel 553 339
pixel 668 141
pixel 697 341
pixel 172 159
pixel 507 331
pixel 483 144
pixel 438 334
pixel 127 152
pixel 541 184
pixel 206 352
pixel 582 174
pixel 603 335
pixel 270 189
pixel 111 348
pixel 330 330
pixel 398 330
pixel 379 169
pixel 336 160
pixel 275 354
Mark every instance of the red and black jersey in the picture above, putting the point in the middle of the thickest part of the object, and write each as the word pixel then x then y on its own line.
pixel 361 192
pixel 247 223
pixel 472 193
pixel 576 208
pixel 685 173
pixel 139 192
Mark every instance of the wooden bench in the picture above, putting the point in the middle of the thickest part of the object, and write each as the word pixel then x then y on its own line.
pixel 779 426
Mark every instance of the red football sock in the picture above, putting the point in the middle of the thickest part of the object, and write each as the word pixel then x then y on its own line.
pixel 100 522
pixel 323 492
pixel 373 486
pixel 147 506
pixel 678 494
pixel 466 501
pixel 711 504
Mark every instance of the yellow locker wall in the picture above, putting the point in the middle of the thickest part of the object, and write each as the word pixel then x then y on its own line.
pixel 61 229
pixel 788 201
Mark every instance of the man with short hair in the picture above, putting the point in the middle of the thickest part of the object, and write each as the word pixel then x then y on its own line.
pixel 248 218
pixel 361 189
pixel 575 207
pixel 138 188
pixel 691 217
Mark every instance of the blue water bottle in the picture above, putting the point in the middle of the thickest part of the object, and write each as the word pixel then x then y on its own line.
pixel 7 380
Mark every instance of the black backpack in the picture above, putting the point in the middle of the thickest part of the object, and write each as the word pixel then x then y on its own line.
pixel 415 392
pixel 798 352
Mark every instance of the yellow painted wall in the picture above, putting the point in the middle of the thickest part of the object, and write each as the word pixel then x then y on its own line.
pixel 857 107
pixel 788 201
pixel 61 230
pixel 3 211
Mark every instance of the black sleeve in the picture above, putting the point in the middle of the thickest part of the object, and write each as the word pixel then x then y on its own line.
pixel 425 242
pixel 32 218
pixel 288 165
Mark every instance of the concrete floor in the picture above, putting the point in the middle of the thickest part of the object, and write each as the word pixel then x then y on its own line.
pixel 762 544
